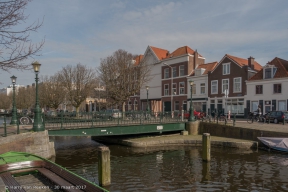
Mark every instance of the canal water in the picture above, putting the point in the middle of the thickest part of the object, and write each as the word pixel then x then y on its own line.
pixel 176 168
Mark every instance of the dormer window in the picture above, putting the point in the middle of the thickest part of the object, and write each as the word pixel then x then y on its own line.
pixel 226 68
pixel 269 71
pixel 199 72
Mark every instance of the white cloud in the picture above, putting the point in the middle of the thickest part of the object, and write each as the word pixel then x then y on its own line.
pixel 85 31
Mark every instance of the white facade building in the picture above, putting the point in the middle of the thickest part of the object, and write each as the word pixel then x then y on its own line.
pixel 269 87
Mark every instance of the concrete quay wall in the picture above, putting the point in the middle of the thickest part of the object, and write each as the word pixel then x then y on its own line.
pixel 242 131
pixel 175 140
pixel 31 142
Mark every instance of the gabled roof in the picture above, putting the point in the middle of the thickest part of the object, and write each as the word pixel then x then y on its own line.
pixel 244 62
pixel 182 51
pixel 138 58
pixel 160 53
pixel 207 66
pixel 282 69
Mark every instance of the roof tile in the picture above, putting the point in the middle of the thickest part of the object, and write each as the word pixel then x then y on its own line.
pixel 282 69
pixel 160 53
pixel 244 62
pixel 182 51
pixel 207 66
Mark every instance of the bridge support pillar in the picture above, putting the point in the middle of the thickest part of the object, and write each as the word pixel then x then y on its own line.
pixel 192 127
pixel 104 172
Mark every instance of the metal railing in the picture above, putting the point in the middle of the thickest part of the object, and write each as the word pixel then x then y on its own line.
pixel 101 119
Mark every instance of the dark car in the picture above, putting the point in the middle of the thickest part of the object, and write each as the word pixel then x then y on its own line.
pixel 109 114
pixel 276 116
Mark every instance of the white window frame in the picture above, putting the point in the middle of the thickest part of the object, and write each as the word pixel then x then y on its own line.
pixel 278 103
pixel 226 68
pixel 281 88
pixel 174 89
pixel 214 81
pixel 272 72
pixel 240 85
pixel 166 91
pixel 166 73
pixel 223 89
pixel 135 105
pixel 181 88
pixel 194 89
pixel 181 69
pixel 174 71
pixel 202 85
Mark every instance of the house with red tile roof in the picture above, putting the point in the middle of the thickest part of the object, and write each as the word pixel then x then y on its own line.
pixel 200 86
pixel 167 88
pixel 227 84
pixel 176 68
pixel 269 87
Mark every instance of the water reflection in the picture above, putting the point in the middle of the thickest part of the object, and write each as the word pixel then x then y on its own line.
pixel 177 168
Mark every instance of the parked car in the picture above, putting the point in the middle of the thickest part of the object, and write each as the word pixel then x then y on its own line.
pixel 51 114
pixel 276 116
pixel 63 113
pixel 109 114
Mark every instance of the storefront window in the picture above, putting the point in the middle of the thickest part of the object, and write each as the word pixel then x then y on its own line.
pixel 235 106
pixel 254 105
pixel 197 106
pixel 281 105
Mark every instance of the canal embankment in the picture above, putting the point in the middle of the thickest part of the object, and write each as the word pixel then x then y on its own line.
pixel 241 136
pixel 31 142
pixel 176 139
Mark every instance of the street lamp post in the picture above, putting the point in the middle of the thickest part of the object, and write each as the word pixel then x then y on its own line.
pixel 38 124
pixel 148 108
pixel 14 110
pixel 191 111
pixel 171 86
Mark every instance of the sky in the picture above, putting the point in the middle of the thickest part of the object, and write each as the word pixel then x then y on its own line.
pixel 84 31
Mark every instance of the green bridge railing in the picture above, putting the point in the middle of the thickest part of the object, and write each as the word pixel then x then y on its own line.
pixel 73 120
pixel 102 119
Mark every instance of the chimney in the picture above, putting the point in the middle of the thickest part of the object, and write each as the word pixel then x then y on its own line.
pixel 251 62
pixel 195 58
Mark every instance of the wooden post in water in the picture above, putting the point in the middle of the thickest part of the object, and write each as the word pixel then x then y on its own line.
pixel 104 172
pixel 206 147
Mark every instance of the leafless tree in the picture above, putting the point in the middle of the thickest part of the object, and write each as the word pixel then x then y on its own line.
pixel 25 97
pixel 78 82
pixel 51 92
pixel 15 44
pixel 121 77
pixel 5 101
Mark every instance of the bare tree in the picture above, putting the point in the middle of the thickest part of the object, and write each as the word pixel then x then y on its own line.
pixel 15 44
pixel 78 82
pixel 5 101
pixel 25 97
pixel 121 77
pixel 51 91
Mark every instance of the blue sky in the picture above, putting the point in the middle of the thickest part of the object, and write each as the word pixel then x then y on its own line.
pixel 84 31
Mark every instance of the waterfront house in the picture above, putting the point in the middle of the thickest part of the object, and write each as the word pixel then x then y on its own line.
pixel 176 68
pixel 200 86
pixel 269 87
pixel 229 76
